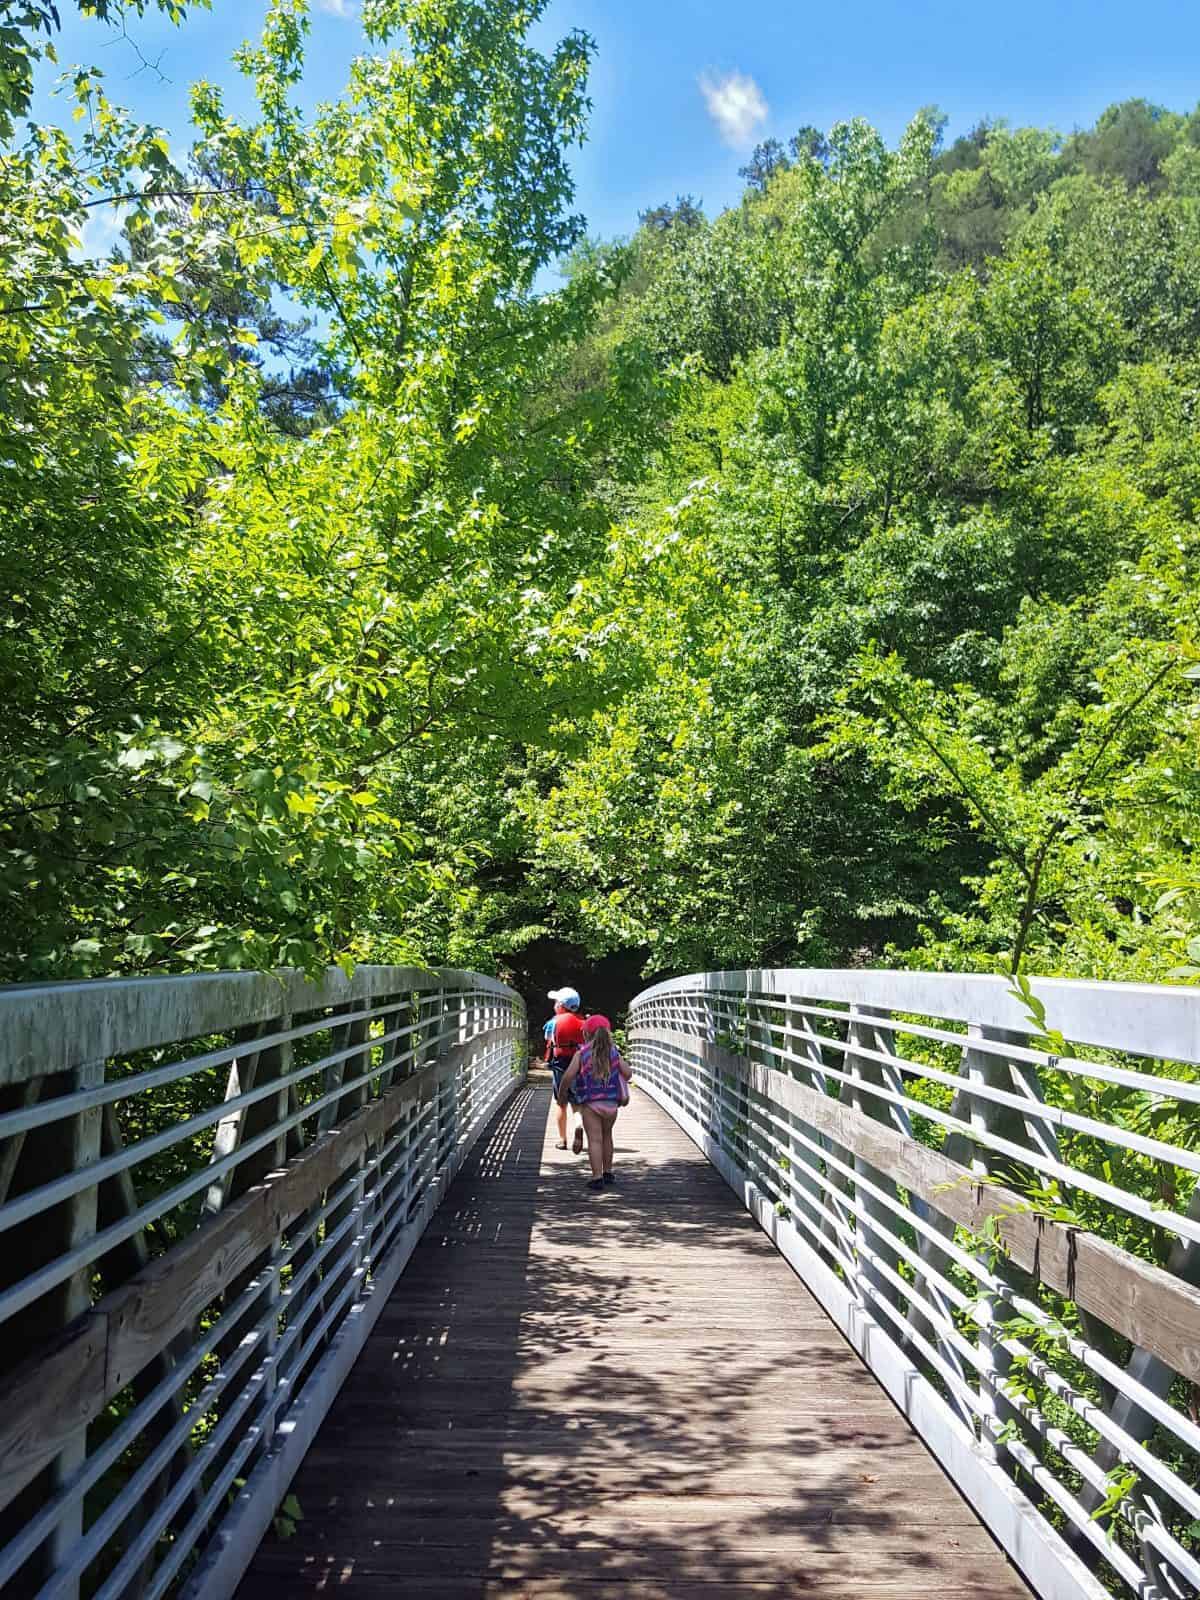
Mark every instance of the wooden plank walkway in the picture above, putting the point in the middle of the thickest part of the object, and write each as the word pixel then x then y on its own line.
pixel 628 1394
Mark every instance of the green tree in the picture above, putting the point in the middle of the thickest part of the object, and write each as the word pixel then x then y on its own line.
pixel 766 160
pixel 233 640
pixel 1130 141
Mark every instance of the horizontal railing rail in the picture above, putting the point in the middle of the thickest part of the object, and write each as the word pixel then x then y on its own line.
pixel 996 1200
pixel 208 1187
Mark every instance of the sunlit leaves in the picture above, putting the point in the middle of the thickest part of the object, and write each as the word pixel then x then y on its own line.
pixel 919 671
pixel 236 652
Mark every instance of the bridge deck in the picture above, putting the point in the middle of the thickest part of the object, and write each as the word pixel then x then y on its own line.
pixel 625 1394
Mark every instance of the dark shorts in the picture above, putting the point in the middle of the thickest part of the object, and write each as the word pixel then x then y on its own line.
pixel 557 1069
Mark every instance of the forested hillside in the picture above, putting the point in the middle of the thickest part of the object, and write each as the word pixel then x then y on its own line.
pixel 812 584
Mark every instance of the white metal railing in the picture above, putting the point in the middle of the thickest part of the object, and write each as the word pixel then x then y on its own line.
pixel 208 1187
pixel 999 1207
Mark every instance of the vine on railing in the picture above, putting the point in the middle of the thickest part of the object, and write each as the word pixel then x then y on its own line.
pixel 1006 1225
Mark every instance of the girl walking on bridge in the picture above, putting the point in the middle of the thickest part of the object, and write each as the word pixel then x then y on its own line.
pixel 600 1079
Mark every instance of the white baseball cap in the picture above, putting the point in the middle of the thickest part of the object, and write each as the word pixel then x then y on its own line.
pixel 566 997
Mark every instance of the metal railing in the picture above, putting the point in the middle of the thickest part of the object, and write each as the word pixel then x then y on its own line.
pixel 208 1187
pixel 998 1206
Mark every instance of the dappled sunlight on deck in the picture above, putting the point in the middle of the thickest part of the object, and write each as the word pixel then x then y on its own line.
pixel 628 1393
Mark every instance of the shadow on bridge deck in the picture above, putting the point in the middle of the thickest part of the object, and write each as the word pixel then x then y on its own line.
pixel 625 1394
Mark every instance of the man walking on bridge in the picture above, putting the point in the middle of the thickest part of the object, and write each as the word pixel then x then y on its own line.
pixel 564 1035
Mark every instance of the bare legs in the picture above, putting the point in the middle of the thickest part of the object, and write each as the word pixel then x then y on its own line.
pixel 599 1131
pixel 593 1127
pixel 562 1118
pixel 607 1126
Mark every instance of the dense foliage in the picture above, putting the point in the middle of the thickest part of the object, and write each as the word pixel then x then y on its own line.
pixel 240 622
pixel 921 682
pixel 810 584
pixel 814 584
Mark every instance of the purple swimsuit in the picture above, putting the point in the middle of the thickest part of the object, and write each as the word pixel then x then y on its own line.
pixel 591 1090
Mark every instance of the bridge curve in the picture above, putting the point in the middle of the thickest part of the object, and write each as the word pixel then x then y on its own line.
pixel 978 1226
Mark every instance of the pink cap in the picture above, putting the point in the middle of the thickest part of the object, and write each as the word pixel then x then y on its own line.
pixel 590 1024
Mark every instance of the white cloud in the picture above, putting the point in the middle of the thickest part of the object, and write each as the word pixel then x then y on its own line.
pixel 100 232
pixel 337 8
pixel 736 104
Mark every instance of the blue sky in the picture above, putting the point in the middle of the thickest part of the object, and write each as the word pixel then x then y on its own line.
pixel 681 88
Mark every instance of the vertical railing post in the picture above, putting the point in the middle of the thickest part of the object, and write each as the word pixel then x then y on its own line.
pixel 805 1042
pixel 736 1097
pixel 424 1142
pixel 394 1049
pixel 118 1198
pixel 876 1221
pixel 391 1054
pixel 991 1069
pixel 459 1111
pixel 83 1135
pixel 764 1029
pixel 755 1161
pixel 994 1364
pixel 348 1257
pixel 280 1066
pixel 255 1068
pixel 708 1106
pixel 838 1226
pixel 1158 1378
pixel 64 1147
pixel 957 1147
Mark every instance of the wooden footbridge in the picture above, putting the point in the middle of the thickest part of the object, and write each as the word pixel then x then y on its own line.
pixel 298 1296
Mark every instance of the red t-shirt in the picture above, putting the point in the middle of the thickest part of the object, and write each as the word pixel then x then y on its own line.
pixel 568 1034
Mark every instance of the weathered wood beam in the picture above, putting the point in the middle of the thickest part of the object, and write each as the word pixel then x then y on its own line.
pixel 1158 1312
pixel 47 1399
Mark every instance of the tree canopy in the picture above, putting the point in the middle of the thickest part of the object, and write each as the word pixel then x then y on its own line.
pixel 811 583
